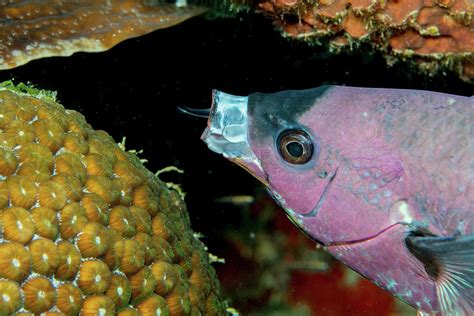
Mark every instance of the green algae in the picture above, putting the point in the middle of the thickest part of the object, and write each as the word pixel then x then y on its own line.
pixel 29 89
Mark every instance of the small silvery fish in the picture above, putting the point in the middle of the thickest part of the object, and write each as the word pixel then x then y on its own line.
pixel 382 178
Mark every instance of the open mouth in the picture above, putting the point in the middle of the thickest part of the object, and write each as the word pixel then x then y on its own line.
pixel 226 132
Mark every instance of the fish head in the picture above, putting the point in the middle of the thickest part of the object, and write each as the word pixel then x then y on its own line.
pixel 263 134
pixel 321 154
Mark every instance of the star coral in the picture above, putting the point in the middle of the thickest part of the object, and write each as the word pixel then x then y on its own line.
pixel 66 250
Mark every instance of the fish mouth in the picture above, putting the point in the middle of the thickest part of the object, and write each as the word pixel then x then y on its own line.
pixel 227 132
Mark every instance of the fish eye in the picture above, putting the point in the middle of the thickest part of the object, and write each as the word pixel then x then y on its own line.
pixel 295 146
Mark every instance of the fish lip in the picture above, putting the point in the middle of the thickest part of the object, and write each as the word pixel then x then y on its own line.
pixel 227 132
pixel 227 125
pixel 252 165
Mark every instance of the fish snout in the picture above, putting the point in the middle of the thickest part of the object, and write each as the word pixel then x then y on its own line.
pixel 227 131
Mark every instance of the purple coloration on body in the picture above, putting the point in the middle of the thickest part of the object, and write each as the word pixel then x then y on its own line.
pixel 383 178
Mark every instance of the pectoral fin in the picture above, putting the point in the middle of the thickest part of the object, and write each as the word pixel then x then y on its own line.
pixel 450 262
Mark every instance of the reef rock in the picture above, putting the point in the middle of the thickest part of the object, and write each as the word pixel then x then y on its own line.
pixel 84 227
pixel 434 34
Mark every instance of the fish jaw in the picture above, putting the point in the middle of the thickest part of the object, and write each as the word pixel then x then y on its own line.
pixel 385 260
pixel 227 132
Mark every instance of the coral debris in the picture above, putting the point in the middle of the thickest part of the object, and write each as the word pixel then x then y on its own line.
pixel 88 229
pixel 434 34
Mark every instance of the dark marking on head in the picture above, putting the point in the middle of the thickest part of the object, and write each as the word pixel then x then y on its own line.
pixel 271 113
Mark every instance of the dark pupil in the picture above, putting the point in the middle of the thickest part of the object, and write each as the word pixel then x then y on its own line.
pixel 295 149
pixel 295 146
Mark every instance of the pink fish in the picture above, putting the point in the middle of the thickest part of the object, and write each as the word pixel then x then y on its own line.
pixel 382 178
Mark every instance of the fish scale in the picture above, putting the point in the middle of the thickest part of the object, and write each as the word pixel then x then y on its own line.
pixel 383 178
pixel 410 143
pixel 440 136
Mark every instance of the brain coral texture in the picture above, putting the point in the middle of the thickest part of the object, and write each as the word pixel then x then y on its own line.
pixel 434 34
pixel 85 228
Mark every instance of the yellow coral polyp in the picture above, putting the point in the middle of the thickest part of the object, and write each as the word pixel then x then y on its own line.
pixel 69 261
pixel 52 195
pixel 86 229
pixel 17 225
pixel 44 256
pixel 98 305
pixel 39 295
pixel 178 301
pixel 200 280
pixel 77 124
pixel 93 240
pixel 15 261
pixel 70 164
pixel 142 219
pixel 165 277
pixel 10 298
pixel 128 173
pixel 8 162
pixel 125 192
pixel 75 143
pixel 143 197
pixel 49 134
pixel 110 256
pixel 122 221
pixel 71 186
pixel 36 153
pixel 69 299
pixel 46 222
pixel 103 187
pixel 35 170
pixel 98 165
pixel 154 305
pixel 6 117
pixel 94 277
pixel 96 208
pixel 143 284
pixel 161 227
pixel 165 252
pixel 196 296
pixel 23 191
pixel 131 258
pixel 213 305
pixel 26 109
pixel 146 243
pixel 19 132
pixel 72 220
pixel 54 114
pixel 119 291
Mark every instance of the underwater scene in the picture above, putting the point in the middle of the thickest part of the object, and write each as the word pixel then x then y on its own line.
pixel 235 157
